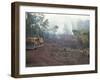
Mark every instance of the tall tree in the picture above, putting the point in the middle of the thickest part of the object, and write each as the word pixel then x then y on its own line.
pixel 36 25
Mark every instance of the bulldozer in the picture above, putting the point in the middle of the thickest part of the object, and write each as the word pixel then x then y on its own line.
pixel 34 42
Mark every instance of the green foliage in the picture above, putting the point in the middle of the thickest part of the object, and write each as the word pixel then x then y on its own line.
pixel 83 37
pixel 82 32
pixel 36 25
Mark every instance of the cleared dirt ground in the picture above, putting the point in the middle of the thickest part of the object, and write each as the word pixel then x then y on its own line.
pixel 52 54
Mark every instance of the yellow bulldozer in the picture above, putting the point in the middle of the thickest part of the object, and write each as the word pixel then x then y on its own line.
pixel 35 41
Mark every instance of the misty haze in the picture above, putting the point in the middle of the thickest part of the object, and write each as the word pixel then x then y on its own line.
pixel 56 39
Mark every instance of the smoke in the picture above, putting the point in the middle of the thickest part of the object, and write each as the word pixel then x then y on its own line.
pixel 65 23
